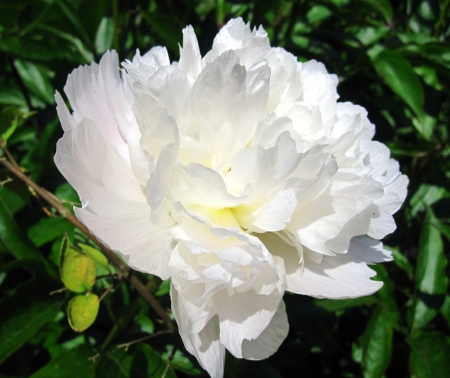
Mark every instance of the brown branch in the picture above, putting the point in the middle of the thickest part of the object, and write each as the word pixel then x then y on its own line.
pixel 127 345
pixel 110 287
pixel 122 268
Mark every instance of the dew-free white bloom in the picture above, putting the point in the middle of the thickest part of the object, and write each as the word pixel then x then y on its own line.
pixel 238 175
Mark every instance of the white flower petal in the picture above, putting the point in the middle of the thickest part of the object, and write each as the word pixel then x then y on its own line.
pixel 97 92
pixel 224 106
pixel 254 315
pixel 336 277
pixel 190 58
pixel 204 345
pixel 158 183
pixel 114 205
pixel 268 342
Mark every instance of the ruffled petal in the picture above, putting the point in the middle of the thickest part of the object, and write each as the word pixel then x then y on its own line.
pixel 222 110
pixel 204 345
pixel 97 92
pixel 190 57
pixel 336 277
pixel 268 342
pixel 114 206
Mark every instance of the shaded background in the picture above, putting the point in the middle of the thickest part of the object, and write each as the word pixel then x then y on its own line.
pixel 392 57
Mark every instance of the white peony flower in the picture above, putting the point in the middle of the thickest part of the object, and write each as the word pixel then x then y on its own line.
pixel 238 175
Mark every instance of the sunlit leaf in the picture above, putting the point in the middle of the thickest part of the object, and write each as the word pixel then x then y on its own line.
pixel 49 229
pixel 377 341
pixel 37 79
pixel 96 255
pixel 401 78
pixel 427 195
pixel 431 280
pixel 105 35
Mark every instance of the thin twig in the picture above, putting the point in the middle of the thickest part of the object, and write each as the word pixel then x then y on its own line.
pixel 8 154
pixel 58 291
pixel 122 268
pixel 169 360
pixel 4 182
pixel 106 292
pixel 127 345
pixel 140 287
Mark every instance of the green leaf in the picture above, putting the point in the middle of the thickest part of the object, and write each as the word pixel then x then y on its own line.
pixel 443 229
pixel 37 79
pixel 146 359
pixel 15 195
pixel 31 265
pixel 166 27
pixel 66 193
pixel 77 269
pixel 16 242
pixel 9 118
pixel 74 20
pixel 383 6
pixel 105 35
pixel 377 341
pixel 163 289
pixel 49 229
pixel 96 255
pixel 429 358
pixel 180 362
pixel 431 281
pixel 445 310
pixel 318 13
pixel 139 361
pixel 9 14
pixel 333 305
pixel 401 78
pixel 401 261
pixel 21 319
pixel 427 195
pixel 82 311
pixel 115 364
pixel 72 364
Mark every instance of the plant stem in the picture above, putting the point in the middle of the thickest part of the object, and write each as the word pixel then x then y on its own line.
pixel 122 268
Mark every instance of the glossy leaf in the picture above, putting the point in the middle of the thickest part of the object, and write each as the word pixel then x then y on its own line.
pixel 147 359
pixel 401 261
pixel 181 362
pixel 431 281
pixel 105 35
pixel 401 78
pixel 163 289
pixel 139 361
pixel 430 351
pixel 49 229
pixel 72 364
pixel 21 319
pixel 82 311
pixel 427 195
pixel 15 241
pixel 37 79
pixel 77 269
pixel 115 363
pixel 377 341
pixel 95 254
pixel 445 309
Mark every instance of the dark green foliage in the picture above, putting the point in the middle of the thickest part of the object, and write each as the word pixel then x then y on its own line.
pixel 392 57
